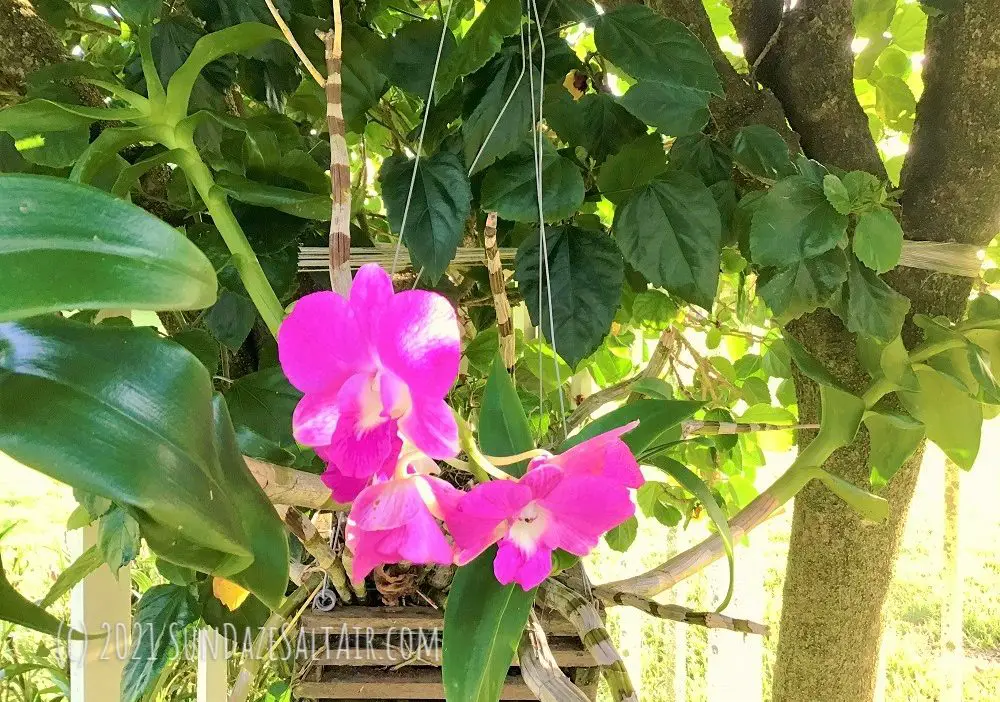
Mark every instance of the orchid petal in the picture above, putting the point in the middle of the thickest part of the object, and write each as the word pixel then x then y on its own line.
pixel 317 343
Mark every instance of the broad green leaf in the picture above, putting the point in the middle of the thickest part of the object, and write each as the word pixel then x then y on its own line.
pixel 872 17
pixel 408 57
pixel 893 438
pixel 837 194
pixel 953 419
pixel 701 156
pixel 671 232
pixel 231 319
pixel 873 308
pixel 637 163
pixel 982 372
pixel 659 424
pixel 767 414
pixel 160 617
pixel 499 19
pixel 509 187
pixel 440 205
pixel 202 345
pixel 891 361
pixel 97 251
pixel 264 402
pixel 54 149
pixel 673 109
pixel 878 240
pixel 151 450
pixel 294 202
pixel 895 103
pixel 655 388
pixel 363 81
pixel 649 46
pixel 655 502
pixel 118 538
pixel 909 27
pixel 896 62
pixel 865 190
pixel 139 12
pixel 654 310
pixel 762 152
pixel 697 487
pixel 802 286
pixel 40 116
pixel 794 222
pixel 841 415
pixel 503 426
pixel 232 40
pixel 595 122
pixel 498 91
pixel 623 536
pixel 16 609
pixel 89 561
pixel 810 365
pixel 579 289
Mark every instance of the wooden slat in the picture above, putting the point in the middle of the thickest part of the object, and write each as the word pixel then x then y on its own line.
pixel 383 620
pixel 409 683
pixel 569 653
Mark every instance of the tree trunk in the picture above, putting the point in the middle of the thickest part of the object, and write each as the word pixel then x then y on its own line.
pixel 27 43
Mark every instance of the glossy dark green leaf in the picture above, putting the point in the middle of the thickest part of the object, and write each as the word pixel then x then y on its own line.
pixel 670 231
pixel 363 81
pixel 762 152
pixel 231 319
pixel 873 308
pixel 151 450
pixel 648 45
pixel 440 205
pixel 583 281
pixel 482 41
pixel 97 252
pixel 263 402
pixel 408 59
pixel 16 609
pixel 953 419
pixel 893 438
pixel 701 156
pixel 673 109
pixel 202 345
pixel 509 187
pixel 161 615
pixel 503 426
pixel 802 286
pixel 595 122
pixel 637 163
pixel 878 240
pixel 623 536
pixel 794 222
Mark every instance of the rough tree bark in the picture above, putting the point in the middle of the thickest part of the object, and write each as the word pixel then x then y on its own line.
pixel 27 43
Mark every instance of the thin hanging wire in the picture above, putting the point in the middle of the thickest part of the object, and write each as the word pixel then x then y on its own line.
pixel 423 131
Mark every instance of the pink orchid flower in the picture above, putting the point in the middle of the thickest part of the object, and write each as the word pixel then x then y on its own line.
pixel 397 519
pixel 565 501
pixel 374 369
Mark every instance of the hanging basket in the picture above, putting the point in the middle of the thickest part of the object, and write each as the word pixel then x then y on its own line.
pixel 394 653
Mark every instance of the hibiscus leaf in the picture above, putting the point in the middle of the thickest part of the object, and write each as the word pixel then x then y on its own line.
pixel 161 615
pixel 408 57
pixel 673 109
pixel 595 122
pixel 893 438
pixel 872 308
pixel 439 207
pixel 499 19
pixel 634 166
pixel 503 426
pixel 584 284
pixel 509 187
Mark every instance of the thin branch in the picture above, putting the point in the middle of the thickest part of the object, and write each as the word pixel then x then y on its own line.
pixel 677 613
pixel 313 542
pixel 293 42
pixel 539 668
pixel 770 43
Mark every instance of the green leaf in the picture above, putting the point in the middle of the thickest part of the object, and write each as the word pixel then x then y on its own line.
pixel 866 504
pixel 659 424
pixel 363 81
pixel 500 90
pixel 89 561
pixel 810 365
pixel 653 310
pixel 408 57
pixel 40 116
pixel 139 13
pixel 872 17
pixel 264 402
pixel 953 419
pixel 802 286
pixel 697 487
pixel 160 616
pixel 231 319
pixel 649 46
pixel 873 308
pixel 895 104
pixel 637 163
pixel 673 109
pixel 294 202
pixel 701 156
pixel 202 345
pixel 866 191
pixel 670 231
pixel 841 416
pixel 595 122
pixel 483 621
pixel 503 426
pixel 232 40
pixel 509 187
pixel 118 538
pixel 440 205
pixel 891 361
pixel 499 19
pixel 97 252
pixel 582 283
pixel 893 438
pixel 151 450
pixel 909 27
pixel 16 609
pixel 837 194
pixel 767 414
pixel 54 149
pixel 762 152
pixel 655 502
pixel 878 240
pixel 623 536
pixel 656 388
pixel 794 222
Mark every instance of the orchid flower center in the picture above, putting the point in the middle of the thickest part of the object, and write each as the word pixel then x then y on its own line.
pixel 529 526
pixel 373 412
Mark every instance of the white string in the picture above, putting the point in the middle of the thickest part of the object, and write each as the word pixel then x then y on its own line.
pixel 423 131
pixel 543 247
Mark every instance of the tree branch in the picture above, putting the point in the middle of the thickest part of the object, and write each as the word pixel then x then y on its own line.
pixel 540 670
pixel 287 486
pixel 677 613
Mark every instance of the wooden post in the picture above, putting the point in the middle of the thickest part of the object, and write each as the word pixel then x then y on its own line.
pixel 952 650
pixel 101 604
pixel 213 667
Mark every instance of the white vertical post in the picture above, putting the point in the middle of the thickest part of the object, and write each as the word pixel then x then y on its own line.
pixel 736 661
pixel 101 604
pixel 677 541
pixel 213 668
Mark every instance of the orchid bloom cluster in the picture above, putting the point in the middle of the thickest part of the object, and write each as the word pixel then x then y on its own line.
pixel 374 370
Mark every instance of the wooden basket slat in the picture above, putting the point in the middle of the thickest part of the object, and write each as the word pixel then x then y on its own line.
pixel 408 683
pixel 383 620
pixel 568 653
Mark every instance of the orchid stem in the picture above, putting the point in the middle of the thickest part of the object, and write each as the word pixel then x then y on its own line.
pixel 517 458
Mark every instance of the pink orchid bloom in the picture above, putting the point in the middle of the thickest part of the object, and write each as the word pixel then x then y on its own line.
pixel 374 369
pixel 559 503
pixel 397 520
pixel 604 455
